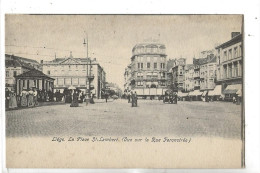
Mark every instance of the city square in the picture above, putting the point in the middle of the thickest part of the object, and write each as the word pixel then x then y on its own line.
pixel 118 118
pixel 125 87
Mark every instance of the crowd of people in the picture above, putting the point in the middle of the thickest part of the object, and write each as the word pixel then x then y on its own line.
pixel 27 98
pixel 132 98
pixel 31 97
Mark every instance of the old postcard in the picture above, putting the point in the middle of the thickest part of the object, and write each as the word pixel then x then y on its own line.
pixel 124 91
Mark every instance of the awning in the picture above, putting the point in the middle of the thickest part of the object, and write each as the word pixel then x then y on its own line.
pixel 204 93
pixel 195 93
pixel 181 94
pixel 232 89
pixel 239 93
pixel 216 91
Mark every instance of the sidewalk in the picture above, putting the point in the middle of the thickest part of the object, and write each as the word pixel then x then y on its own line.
pixel 40 104
pixel 59 103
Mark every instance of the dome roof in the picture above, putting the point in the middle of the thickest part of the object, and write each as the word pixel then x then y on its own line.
pixel 149 45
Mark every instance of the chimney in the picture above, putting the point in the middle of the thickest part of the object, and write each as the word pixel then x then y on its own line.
pixel 234 34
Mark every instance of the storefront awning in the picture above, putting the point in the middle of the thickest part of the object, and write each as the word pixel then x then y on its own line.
pixel 239 93
pixel 181 94
pixel 232 89
pixel 216 91
pixel 204 93
pixel 195 93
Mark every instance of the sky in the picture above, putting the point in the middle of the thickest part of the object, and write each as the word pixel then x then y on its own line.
pixel 112 37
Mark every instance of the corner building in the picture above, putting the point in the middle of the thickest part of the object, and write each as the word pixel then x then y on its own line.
pixel 148 66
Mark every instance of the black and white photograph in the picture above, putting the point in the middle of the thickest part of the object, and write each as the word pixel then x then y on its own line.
pixel 124 91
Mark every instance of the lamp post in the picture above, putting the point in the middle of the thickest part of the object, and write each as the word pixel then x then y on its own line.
pixel 85 43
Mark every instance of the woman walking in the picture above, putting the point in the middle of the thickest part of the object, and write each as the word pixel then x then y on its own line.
pixel 24 94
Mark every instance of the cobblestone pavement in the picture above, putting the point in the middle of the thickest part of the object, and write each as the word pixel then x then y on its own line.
pixel 118 118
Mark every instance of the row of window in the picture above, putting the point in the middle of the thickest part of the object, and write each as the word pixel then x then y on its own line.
pixel 149 50
pixel 141 83
pixel 232 53
pixel 229 71
pixel 7 74
pixel 148 65
pixel 141 59
pixel 49 72
pixel 71 81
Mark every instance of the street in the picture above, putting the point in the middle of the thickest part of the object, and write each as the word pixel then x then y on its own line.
pixel 118 118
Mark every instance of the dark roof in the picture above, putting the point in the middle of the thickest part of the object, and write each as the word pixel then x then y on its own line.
pixel 21 58
pixel 234 40
pixel 210 58
pixel 16 62
pixel 33 74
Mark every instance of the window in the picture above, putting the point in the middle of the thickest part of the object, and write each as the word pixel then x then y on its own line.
pixel 142 65
pixel 48 72
pixel 15 73
pixel 138 65
pixel 162 65
pixel 229 54
pixel 155 65
pixel 7 74
pixel 225 55
pixel 148 65
pixel 235 52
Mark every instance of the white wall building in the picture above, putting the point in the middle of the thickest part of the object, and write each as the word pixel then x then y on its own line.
pixel 76 72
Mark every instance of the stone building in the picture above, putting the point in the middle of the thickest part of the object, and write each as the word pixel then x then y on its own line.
pixel 76 72
pixel 189 79
pixel 230 65
pixel 14 66
pixel 178 72
pixel 127 78
pixel 148 66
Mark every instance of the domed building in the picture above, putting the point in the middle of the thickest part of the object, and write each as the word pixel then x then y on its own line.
pixel 148 66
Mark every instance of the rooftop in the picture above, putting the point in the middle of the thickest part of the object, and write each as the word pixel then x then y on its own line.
pixel 33 74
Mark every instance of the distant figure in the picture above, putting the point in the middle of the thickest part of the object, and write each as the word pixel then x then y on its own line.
pixel 92 98
pixel 30 98
pixel 74 102
pixel 35 97
pixel 135 96
pixel 13 101
pixel 128 97
pixel 7 98
pixel 24 94
pixel 106 96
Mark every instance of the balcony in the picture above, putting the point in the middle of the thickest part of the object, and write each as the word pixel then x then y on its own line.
pixel 91 77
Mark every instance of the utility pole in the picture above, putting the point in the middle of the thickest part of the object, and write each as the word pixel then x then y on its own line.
pixel 85 43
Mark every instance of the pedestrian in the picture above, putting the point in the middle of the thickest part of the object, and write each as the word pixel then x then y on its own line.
pixel 30 98
pixel 106 96
pixel 92 98
pixel 234 99
pixel 135 96
pixel 35 97
pixel 24 94
pixel 74 102
pixel 128 97
pixel 13 101
pixel 7 98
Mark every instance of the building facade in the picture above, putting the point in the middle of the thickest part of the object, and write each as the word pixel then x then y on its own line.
pixel 127 78
pixel 14 66
pixel 148 66
pixel 230 65
pixel 208 73
pixel 81 73
pixel 189 78
pixel 178 73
